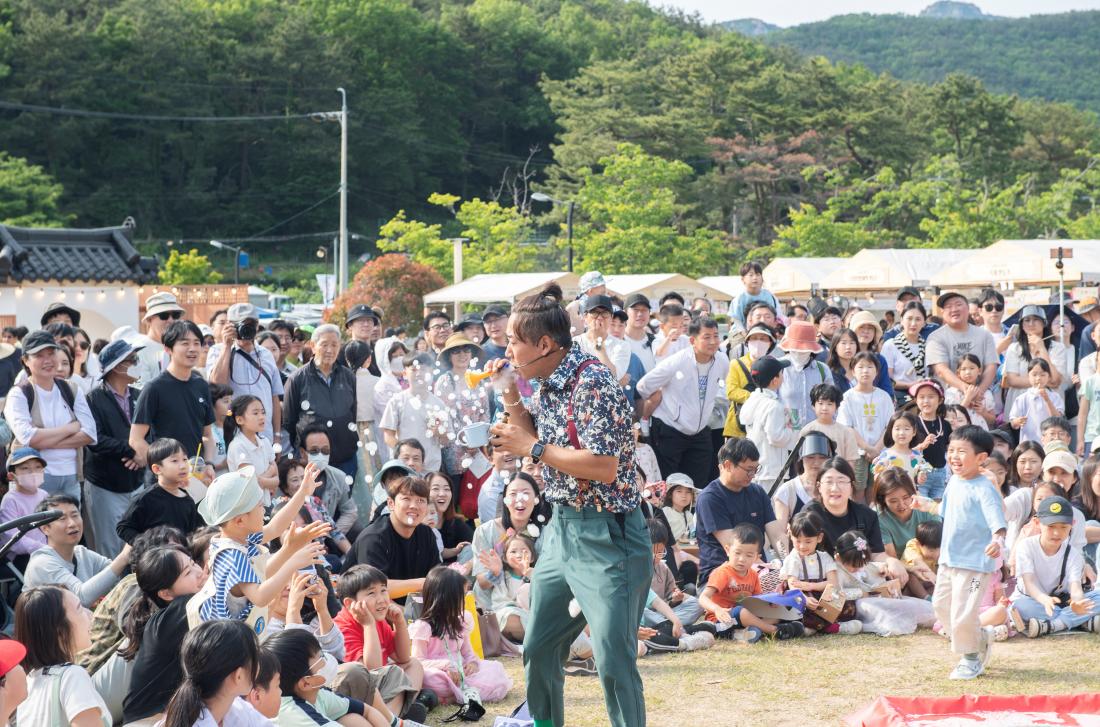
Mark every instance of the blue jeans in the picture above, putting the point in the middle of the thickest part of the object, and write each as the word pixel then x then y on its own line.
pixel 1090 549
pixel 61 485
pixel 688 611
pixel 1029 608
pixel 934 485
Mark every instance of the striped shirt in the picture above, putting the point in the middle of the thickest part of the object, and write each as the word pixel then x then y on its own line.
pixel 229 568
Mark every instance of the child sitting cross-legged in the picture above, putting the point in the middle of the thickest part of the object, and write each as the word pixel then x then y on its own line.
pixel 686 607
pixel 862 579
pixel 1048 596
pixel 734 581
pixel 810 569
pixel 922 555
pixel 244 577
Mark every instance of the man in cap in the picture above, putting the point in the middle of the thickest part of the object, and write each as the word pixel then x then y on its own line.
pixel 597 339
pixel 161 310
pixel 691 383
pixel 112 476
pixel 906 295
pixel 638 335
pixel 956 337
pixel 592 283
pixel 473 327
pixel 245 367
pixel 363 323
pixel 495 320
pixel 60 313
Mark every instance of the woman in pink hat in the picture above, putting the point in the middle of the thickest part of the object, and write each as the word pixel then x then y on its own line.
pixel 801 345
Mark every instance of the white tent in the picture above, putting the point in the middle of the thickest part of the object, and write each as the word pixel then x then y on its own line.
pixel 890 269
pixel 790 275
pixel 1014 263
pixel 731 285
pixel 654 286
pixel 501 288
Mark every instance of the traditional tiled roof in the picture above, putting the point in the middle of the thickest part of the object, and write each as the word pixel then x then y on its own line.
pixel 100 255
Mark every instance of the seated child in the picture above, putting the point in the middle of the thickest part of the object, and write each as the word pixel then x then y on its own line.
pixel 922 555
pixel 244 577
pixel 26 472
pixel 862 579
pixel 376 634
pixel 441 641
pixel 266 695
pixel 511 593
pixel 289 611
pixel 1048 596
pixel 686 607
pixel 808 567
pixel 169 502
pixel 732 582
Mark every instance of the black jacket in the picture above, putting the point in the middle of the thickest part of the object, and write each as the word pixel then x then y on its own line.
pixel 103 460
pixel 332 402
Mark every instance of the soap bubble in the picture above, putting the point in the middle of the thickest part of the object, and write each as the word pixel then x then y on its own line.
pixel 647 493
pixel 349 479
pixel 541 518
pixel 305 405
pixel 276 448
pixel 372 448
pixel 679 374
pixel 329 424
pixel 466 463
pixel 533 530
pixel 351 427
pixel 410 520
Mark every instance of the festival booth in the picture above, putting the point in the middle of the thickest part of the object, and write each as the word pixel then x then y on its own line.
pixel 500 288
pixel 799 277
pixel 890 269
pixel 1010 264
pixel 654 286
pixel 731 285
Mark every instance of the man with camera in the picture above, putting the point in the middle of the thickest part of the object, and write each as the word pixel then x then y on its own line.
pixel 245 367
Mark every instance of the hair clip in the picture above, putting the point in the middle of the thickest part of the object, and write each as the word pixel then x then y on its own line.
pixel 861 544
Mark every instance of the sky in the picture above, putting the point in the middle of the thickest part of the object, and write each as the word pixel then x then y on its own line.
pixel 794 12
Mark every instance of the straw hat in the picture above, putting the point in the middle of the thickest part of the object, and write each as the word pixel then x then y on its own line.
pixel 800 336
pixel 456 341
pixel 866 318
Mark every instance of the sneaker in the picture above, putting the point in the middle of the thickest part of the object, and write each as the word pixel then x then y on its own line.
pixel 702 627
pixel 1000 633
pixel 415 713
pixel 966 669
pixel 428 698
pixel 985 645
pixel 697 641
pixel 789 630
pixel 748 636
pixel 1092 625
pixel 849 628
pixel 663 643
pixel 581 667
pixel 1037 627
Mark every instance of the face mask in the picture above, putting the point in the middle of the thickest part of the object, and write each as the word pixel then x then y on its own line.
pixel 328 669
pixel 800 358
pixel 320 460
pixel 758 349
pixel 397 366
pixel 31 481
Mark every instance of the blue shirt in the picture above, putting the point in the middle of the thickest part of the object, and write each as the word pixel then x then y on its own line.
pixel 972 511
pixel 718 508
pixel 746 299
pixel 228 568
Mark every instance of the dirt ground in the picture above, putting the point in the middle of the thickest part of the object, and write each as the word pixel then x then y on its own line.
pixel 819 680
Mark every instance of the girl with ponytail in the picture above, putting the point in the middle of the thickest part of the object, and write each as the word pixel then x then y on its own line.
pixel 220 661
pixel 163 575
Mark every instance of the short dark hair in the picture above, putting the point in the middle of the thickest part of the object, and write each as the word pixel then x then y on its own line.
pixel 408 485
pixel 53 501
pixel 699 323
pixel 358 578
pixel 980 439
pixel 542 314
pixel 432 315
pixel 177 331
pixel 807 524
pixel 658 533
pixel 295 649
pixel 888 435
pixel 1041 363
pixel 1055 422
pixel 42 626
pixel 280 325
pixel 670 310
pixel 988 294
pixel 890 479
pixel 751 267
pixel 163 448
pixel 868 356
pixel 840 465
pixel 198 543
pixel 425 360
pixel 220 391
pixel 930 533
pixel 58 329
pixel 670 295
pixel 311 425
pixel 747 534
pixel 268 668
pixel 759 304
pixel 738 450
pixel 829 310
pixel 409 442
pixel 825 392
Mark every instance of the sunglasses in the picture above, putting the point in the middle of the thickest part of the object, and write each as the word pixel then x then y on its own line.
pixel 170 316
pixel 990 307
pixel 84 345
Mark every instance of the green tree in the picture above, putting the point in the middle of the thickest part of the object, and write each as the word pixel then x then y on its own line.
pixel 28 196
pixel 188 268
pixel 394 283
pixel 633 222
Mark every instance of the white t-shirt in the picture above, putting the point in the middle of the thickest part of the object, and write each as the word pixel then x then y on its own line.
pixel 868 414
pixel 1030 558
pixel 682 342
pixel 1018 512
pixel 643 351
pixel 791 492
pixel 243 452
pixel 946 345
pixel 812 568
pixel 76 693
pixel 1015 363
pixel 408 413
pixel 240 714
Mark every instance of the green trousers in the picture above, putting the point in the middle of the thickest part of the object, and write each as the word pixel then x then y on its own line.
pixel 606 563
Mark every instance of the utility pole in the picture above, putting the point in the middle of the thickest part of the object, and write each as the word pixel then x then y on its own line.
pixel 458 242
pixel 343 274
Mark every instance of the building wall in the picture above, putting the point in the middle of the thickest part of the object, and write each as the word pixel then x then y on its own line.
pixel 103 308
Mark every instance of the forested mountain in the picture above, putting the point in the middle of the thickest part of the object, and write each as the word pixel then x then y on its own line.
pixel 1052 57
pixel 684 146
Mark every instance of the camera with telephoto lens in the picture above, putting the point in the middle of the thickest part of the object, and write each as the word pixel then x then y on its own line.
pixel 247 329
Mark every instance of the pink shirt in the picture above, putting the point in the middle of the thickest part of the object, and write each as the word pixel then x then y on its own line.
pixel 17 504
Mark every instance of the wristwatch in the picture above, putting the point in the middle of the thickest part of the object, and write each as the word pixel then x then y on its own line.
pixel 536 451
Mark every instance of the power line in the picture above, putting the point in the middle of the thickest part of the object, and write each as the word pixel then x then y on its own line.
pixel 293 217
pixel 58 111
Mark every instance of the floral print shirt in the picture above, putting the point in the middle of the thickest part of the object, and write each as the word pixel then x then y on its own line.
pixel 604 427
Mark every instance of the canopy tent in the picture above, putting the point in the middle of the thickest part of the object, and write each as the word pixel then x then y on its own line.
pixel 790 275
pixel 891 269
pixel 502 288
pixel 1013 263
pixel 731 285
pixel 654 286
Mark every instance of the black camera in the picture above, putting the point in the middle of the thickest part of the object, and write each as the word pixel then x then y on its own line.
pixel 247 329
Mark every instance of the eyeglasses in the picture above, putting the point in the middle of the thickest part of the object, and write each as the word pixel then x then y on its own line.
pixel 170 316
pixel 131 361
pixel 84 345
pixel 750 471
pixel 990 307
pixel 439 327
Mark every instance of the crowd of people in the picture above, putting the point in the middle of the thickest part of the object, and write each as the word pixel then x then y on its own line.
pixel 263 524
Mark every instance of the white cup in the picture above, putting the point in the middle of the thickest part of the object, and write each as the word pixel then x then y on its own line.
pixel 474 435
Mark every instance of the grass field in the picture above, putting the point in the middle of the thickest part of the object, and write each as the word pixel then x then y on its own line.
pixel 819 680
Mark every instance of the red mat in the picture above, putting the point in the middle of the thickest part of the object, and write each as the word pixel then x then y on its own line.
pixel 1067 710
